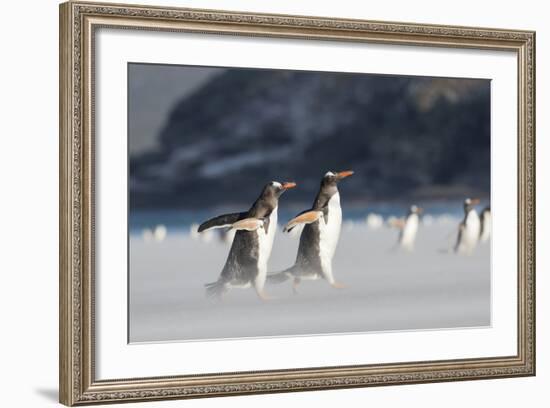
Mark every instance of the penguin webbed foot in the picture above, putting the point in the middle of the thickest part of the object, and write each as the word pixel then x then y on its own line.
pixel 338 285
pixel 295 284
pixel 216 290
pixel 265 297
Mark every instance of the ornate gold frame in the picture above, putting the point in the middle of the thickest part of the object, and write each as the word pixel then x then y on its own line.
pixel 78 22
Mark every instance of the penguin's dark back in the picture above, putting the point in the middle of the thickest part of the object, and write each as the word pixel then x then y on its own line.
pixel 262 208
pixel 308 249
pixel 324 196
pixel 242 261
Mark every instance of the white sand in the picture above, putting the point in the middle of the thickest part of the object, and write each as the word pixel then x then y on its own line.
pixel 386 290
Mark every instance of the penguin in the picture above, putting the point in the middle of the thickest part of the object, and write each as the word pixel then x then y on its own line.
pixel 486 224
pixel 246 263
pixel 468 229
pixel 408 229
pixel 319 237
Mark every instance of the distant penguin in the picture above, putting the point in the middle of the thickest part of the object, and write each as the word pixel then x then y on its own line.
pixel 206 236
pixel 409 228
pixel 194 231
pixel 319 237
pixel 468 229
pixel 374 221
pixel 147 235
pixel 486 224
pixel 246 264
pixel 159 233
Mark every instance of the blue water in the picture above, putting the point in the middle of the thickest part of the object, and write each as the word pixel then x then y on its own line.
pixel 181 220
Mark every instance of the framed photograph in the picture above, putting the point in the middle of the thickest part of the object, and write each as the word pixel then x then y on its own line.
pixel 256 203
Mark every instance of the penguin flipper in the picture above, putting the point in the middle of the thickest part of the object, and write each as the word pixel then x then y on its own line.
pixel 307 217
pixel 248 224
pixel 222 221
pixel 398 223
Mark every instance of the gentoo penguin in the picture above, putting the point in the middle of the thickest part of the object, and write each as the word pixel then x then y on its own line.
pixel 486 223
pixel 408 229
pixel 246 264
pixel 468 230
pixel 319 236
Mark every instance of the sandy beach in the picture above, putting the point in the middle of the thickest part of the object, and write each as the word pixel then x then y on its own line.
pixel 385 289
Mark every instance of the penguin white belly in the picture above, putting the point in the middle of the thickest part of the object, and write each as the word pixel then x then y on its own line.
pixel 409 232
pixel 486 230
pixel 470 233
pixel 265 244
pixel 329 233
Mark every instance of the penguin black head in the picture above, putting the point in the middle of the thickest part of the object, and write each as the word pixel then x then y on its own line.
pixel 275 189
pixel 469 204
pixel 333 178
pixel 329 187
pixel 269 198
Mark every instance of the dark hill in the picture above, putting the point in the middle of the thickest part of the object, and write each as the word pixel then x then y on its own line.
pixel 404 137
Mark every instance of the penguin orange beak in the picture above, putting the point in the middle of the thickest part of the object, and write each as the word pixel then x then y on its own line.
pixel 344 174
pixel 288 185
pixel 419 210
pixel 475 201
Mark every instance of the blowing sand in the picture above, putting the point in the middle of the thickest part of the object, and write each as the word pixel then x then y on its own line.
pixel 385 289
